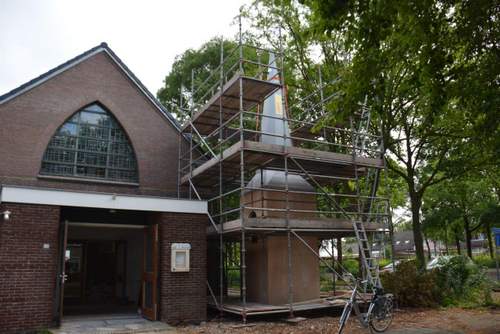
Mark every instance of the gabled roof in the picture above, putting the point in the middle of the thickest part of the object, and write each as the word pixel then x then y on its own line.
pixel 103 47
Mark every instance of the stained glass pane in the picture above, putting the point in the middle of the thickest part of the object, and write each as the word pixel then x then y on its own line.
pixel 118 135
pixel 57 169
pixel 58 155
pixel 92 131
pixel 91 145
pixel 96 108
pixel 122 148
pixel 61 141
pixel 68 129
pixel 94 118
pixel 86 158
pixel 91 171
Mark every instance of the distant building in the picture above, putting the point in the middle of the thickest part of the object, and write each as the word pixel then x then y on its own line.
pixel 403 243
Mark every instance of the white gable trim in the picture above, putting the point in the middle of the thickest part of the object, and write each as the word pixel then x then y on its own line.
pixel 26 195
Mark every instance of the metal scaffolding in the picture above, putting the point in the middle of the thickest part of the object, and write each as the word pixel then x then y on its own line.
pixel 227 149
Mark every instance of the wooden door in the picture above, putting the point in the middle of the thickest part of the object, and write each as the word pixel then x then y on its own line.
pixel 61 279
pixel 149 301
pixel 74 271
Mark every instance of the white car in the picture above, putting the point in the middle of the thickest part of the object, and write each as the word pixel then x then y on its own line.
pixel 389 268
pixel 440 261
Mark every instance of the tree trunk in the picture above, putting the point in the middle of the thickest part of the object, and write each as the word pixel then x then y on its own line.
pixel 428 248
pixel 457 243
pixel 447 250
pixel 487 230
pixel 361 268
pixel 468 237
pixel 339 253
pixel 333 266
pixel 391 236
pixel 416 202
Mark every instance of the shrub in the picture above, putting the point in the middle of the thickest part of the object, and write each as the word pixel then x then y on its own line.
pixel 463 282
pixel 384 262
pixel 326 281
pixel 352 266
pixel 233 278
pixel 456 281
pixel 412 287
pixel 484 261
pixel 325 277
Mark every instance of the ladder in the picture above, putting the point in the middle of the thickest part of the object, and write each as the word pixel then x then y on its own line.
pixel 370 188
pixel 363 127
pixel 370 263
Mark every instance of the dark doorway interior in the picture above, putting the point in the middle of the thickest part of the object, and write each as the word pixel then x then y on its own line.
pixel 104 264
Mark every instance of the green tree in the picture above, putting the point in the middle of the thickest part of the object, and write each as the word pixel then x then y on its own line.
pixel 303 50
pixel 201 62
pixel 429 70
pixel 490 217
pixel 442 222
pixel 415 61
pixel 468 202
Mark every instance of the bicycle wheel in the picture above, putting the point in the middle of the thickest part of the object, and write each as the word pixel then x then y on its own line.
pixel 381 316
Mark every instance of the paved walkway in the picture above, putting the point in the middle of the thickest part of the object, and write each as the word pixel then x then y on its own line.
pixel 111 324
pixel 452 321
pixel 421 331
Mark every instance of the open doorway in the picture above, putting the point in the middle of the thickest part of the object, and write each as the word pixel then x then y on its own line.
pixel 104 268
pixel 108 263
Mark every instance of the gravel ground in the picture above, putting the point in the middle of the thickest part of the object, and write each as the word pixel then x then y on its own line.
pixel 413 321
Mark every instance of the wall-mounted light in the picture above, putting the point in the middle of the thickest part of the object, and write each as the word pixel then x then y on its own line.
pixel 6 215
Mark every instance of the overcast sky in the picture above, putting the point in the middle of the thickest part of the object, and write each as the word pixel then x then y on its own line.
pixel 37 35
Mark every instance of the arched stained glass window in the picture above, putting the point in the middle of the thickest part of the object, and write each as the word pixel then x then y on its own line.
pixel 91 145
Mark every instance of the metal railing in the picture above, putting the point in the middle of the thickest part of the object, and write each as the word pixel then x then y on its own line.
pixel 337 140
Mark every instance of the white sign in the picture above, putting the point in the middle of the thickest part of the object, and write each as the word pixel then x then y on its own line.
pixel 180 246
pixel 180 257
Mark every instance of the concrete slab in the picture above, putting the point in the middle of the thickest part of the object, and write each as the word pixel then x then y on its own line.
pixel 111 324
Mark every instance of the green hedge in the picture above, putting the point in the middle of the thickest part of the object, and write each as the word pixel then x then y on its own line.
pixel 352 265
pixel 484 260
pixel 464 283
pixel 411 287
pixel 457 282
pixel 384 262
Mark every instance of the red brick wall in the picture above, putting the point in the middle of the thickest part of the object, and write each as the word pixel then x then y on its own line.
pixel 27 271
pixel 30 120
pixel 183 295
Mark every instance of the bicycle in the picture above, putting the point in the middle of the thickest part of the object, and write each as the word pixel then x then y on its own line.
pixel 379 315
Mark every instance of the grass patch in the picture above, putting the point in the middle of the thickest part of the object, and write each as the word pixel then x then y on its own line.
pixel 484 261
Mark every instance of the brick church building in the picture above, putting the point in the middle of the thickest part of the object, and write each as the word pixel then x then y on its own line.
pixel 90 214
